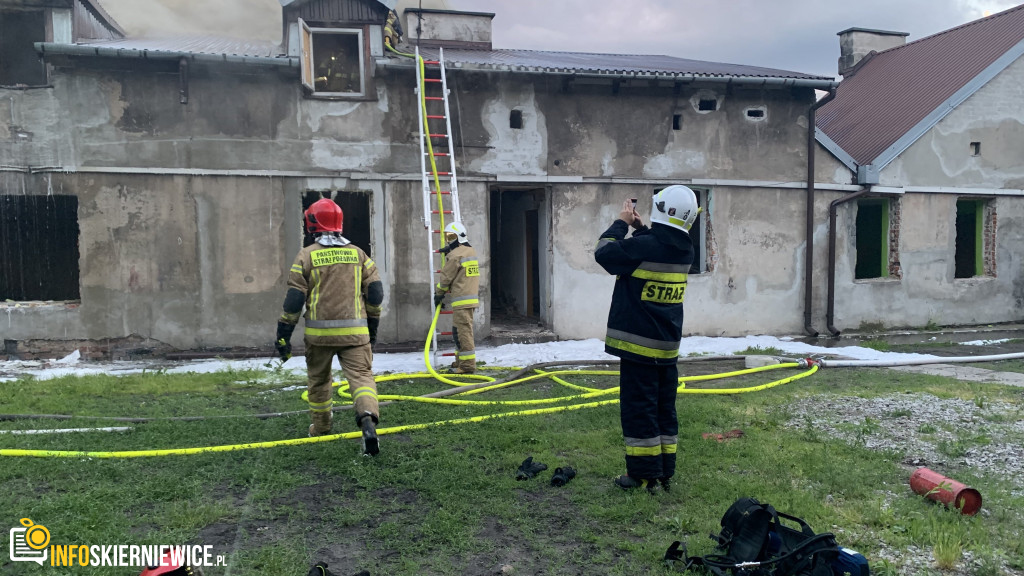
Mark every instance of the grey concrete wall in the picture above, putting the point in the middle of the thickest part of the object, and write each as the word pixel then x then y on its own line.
pixel 201 260
pixel 928 292
pixel 991 116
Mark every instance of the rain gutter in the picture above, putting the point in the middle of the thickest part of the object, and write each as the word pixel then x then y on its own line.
pixel 56 49
pixel 809 224
pixel 818 84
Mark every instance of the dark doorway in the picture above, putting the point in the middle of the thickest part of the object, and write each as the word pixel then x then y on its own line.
pixel 519 254
pixel 872 239
pixel 355 206
pixel 968 238
pixel 39 248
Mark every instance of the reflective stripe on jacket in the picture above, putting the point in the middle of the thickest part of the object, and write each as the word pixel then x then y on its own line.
pixel 334 280
pixel 645 322
pixel 461 277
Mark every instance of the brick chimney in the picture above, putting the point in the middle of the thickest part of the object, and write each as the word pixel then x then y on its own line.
pixel 449 28
pixel 856 43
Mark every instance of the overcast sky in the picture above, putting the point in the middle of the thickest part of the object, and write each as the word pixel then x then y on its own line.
pixel 798 35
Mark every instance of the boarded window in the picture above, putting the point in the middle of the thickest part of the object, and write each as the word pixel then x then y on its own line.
pixel 872 239
pixel 19 63
pixel 356 209
pixel 39 248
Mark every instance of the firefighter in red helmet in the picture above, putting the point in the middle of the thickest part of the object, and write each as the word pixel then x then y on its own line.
pixel 341 291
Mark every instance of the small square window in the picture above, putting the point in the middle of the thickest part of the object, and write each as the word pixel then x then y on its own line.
pixel 975 148
pixel 515 119
pixel 677 121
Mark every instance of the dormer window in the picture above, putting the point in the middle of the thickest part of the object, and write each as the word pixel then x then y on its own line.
pixel 333 62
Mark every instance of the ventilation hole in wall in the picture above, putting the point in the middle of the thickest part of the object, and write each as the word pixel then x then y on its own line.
pixel 707 105
pixel 515 119
pixel 677 121
pixel 975 148
pixel 755 113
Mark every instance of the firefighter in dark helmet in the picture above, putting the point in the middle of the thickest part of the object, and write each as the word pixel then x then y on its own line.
pixel 460 277
pixel 339 287
pixel 645 326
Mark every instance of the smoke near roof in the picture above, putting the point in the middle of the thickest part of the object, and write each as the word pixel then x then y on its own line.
pixel 248 19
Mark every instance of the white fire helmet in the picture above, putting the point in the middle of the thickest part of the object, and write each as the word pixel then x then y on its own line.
pixel 675 206
pixel 456 231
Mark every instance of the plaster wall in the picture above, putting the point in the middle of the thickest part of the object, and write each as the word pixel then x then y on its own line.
pixel 927 292
pixel 943 157
pixel 201 261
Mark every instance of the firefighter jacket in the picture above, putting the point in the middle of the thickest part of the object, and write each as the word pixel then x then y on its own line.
pixel 340 288
pixel 645 322
pixel 461 277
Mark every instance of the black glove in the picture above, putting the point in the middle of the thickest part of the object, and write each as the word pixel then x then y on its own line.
pixel 372 324
pixel 283 342
pixel 562 476
pixel 439 300
pixel 451 246
pixel 528 469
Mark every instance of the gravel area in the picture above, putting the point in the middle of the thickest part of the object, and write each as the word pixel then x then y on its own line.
pixel 924 430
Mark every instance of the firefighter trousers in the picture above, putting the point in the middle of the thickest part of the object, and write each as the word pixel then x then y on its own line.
pixel 647 408
pixel 357 364
pixel 462 332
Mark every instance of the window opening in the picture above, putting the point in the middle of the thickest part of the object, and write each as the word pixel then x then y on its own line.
pixel 698 237
pixel 20 65
pixel 707 105
pixel 755 113
pixel 356 209
pixel 975 148
pixel 332 61
pixel 39 248
pixel 969 252
pixel 515 119
pixel 677 121
pixel 872 239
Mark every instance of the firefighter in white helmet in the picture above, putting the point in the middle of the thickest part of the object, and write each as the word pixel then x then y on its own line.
pixel 645 326
pixel 460 277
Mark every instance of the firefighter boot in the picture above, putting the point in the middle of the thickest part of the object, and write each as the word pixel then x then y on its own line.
pixel 321 425
pixel 368 423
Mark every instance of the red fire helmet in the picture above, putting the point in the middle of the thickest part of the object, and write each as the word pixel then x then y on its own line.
pixel 324 216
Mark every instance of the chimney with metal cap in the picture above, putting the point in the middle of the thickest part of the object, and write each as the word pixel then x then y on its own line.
pixel 856 43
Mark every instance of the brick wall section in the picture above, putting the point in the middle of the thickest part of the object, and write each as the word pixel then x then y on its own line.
pixel 895 270
pixel 131 348
pixel 989 239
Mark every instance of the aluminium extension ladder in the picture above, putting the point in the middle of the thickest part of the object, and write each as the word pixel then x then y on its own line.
pixel 437 166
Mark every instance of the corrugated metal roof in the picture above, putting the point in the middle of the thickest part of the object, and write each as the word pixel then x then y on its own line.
pixel 581 62
pixel 897 89
pixel 196 45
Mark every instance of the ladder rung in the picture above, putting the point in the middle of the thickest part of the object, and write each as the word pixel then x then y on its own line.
pixel 442 173
pixel 435 116
pixel 442 192
pixel 445 333
pixel 448 354
pixel 438 135
pixel 447 312
pixel 436 154
pixel 446 211
pixel 433 98
pixel 431 61
pixel 431 79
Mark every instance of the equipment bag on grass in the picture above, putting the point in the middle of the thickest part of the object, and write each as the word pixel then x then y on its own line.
pixel 754 541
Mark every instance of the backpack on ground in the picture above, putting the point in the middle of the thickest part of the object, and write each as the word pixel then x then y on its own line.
pixel 755 542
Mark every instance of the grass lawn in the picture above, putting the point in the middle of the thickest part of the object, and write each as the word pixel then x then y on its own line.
pixel 444 500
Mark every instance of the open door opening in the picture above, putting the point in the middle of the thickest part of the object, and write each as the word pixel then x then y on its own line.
pixel 520 264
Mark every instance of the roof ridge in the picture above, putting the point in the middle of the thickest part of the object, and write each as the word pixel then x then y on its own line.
pixel 981 20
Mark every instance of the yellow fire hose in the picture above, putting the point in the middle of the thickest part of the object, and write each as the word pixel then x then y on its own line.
pixel 588 393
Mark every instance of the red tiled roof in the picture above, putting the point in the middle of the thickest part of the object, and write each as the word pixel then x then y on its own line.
pixel 896 89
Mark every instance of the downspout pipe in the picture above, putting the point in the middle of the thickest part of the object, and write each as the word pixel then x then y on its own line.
pixel 830 314
pixel 809 241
